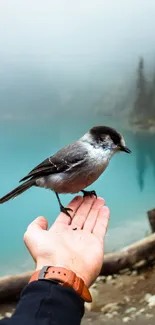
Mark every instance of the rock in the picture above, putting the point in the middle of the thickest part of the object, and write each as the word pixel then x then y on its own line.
pixel 142 277
pixel 112 307
pixel 148 316
pixel 8 314
pixel 147 297
pixel 120 285
pixel 100 278
pixel 127 299
pixel 134 273
pixel 130 310
pixel 140 264
pixel 109 315
pixel 109 278
pixel 115 313
pixel 126 319
pixel 93 304
pixel 134 282
pixel 125 271
pixel 139 312
pixel 151 301
pixel 94 285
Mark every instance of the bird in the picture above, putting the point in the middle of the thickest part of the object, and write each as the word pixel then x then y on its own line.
pixel 74 167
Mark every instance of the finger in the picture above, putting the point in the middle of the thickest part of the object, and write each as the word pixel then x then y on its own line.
pixel 93 213
pixel 38 223
pixel 35 227
pixel 74 205
pixel 102 220
pixel 82 212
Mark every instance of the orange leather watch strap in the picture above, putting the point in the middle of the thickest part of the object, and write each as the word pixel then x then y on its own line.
pixel 66 278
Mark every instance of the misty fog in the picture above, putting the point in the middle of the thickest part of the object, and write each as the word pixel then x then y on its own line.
pixel 71 55
pixel 66 66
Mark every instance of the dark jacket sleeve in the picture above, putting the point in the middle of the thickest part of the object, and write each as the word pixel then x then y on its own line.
pixel 47 303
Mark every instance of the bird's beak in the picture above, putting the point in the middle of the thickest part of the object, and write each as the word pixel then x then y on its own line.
pixel 125 149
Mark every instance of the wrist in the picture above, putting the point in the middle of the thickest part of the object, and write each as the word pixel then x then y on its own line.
pixel 41 263
pixel 64 277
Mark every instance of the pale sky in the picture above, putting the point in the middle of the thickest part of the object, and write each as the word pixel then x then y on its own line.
pixel 54 50
pixel 71 31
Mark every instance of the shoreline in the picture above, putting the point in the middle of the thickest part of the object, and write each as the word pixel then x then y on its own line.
pixel 128 297
pixel 138 255
pixel 123 293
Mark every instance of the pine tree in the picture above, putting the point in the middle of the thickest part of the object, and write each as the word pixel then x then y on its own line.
pixel 140 106
pixel 151 100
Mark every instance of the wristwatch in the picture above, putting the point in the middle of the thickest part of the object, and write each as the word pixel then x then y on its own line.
pixel 64 277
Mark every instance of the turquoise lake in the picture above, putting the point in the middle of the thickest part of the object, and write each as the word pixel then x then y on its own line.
pixel 66 66
pixel 127 185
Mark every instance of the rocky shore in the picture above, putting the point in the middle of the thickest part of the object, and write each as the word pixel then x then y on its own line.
pixel 125 298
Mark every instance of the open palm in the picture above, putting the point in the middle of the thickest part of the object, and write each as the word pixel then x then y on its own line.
pixel 76 244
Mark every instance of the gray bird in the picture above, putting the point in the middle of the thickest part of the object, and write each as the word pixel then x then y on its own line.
pixel 75 166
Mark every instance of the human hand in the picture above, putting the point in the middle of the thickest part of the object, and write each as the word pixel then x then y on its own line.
pixel 80 250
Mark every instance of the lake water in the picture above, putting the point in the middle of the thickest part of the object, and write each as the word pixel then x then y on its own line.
pixel 127 185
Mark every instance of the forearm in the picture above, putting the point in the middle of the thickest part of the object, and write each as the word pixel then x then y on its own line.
pixel 45 302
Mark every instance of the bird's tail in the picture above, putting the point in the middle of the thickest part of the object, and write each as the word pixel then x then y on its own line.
pixel 17 191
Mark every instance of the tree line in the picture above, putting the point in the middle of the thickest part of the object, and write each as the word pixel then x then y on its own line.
pixel 143 111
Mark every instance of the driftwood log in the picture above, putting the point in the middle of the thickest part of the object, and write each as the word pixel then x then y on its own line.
pixel 128 256
pixel 11 286
pixel 143 250
pixel 151 217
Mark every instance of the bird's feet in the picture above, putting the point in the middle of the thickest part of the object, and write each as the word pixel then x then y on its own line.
pixel 65 210
pixel 89 193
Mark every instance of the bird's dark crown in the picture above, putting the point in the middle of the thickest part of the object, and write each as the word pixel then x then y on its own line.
pixel 100 132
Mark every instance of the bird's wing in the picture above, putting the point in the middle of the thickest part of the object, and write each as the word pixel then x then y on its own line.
pixel 66 159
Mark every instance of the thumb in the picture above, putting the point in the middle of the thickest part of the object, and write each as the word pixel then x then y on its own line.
pixel 34 229
pixel 38 223
pixel 34 234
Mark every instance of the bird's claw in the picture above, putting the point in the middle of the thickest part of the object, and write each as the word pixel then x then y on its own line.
pixel 89 193
pixel 65 210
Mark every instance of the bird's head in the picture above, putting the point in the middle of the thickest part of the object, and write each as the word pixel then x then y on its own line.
pixel 108 138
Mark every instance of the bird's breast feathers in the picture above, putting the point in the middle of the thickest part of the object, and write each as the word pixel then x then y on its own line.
pixel 78 176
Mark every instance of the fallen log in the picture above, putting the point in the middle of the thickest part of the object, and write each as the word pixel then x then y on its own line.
pixel 151 218
pixel 128 256
pixel 11 286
